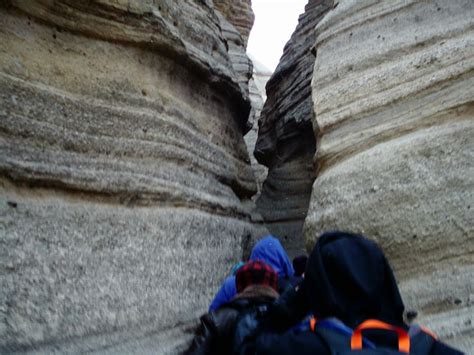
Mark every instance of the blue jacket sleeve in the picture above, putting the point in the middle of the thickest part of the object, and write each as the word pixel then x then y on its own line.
pixel 225 294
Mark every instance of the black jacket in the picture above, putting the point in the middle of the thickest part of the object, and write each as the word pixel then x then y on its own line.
pixel 347 277
pixel 225 330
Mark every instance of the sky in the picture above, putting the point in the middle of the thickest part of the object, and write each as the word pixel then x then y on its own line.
pixel 275 21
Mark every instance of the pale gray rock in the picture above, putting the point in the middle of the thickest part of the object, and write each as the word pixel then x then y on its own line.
pixel 240 14
pixel 260 77
pixel 393 98
pixel 241 63
pixel 257 97
pixel 286 143
pixel 124 176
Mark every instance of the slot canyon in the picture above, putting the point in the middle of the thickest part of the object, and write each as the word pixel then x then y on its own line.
pixel 143 153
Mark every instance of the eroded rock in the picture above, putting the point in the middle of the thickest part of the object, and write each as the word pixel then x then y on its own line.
pixel 286 143
pixel 121 144
pixel 240 15
pixel 260 77
pixel 393 96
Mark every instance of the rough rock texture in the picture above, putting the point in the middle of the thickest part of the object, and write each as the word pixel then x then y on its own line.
pixel 260 77
pixel 393 93
pixel 240 15
pixel 241 63
pixel 123 172
pixel 286 143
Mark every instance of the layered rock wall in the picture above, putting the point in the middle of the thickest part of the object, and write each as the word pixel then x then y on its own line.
pixel 286 143
pixel 393 91
pixel 240 15
pixel 257 83
pixel 122 171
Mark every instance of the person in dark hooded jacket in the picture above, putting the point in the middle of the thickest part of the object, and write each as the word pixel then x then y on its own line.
pixel 347 281
pixel 299 264
pixel 270 251
pixel 224 330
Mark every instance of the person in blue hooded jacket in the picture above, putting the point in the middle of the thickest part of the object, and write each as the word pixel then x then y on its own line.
pixel 270 251
pixel 227 291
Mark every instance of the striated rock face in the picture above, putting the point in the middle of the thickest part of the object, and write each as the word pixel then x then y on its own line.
pixel 241 64
pixel 240 15
pixel 393 93
pixel 122 171
pixel 257 83
pixel 286 141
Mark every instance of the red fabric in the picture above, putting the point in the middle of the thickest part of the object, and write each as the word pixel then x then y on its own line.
pixel 256 273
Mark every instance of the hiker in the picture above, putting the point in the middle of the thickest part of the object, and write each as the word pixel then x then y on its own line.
pixel 270 251
pixel 227 290
pixel 299 264
pixel 223 331
pixel 351 291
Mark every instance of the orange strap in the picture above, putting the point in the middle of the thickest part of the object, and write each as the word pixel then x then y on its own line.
pixel 403 337
pixel 429 332
pixel 312 324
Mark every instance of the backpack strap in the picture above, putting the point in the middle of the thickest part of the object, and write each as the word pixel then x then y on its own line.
pixel 335 335
pixel 340 339
pixel 403 337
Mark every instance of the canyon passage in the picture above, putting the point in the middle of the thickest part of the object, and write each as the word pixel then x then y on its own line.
pixel 143 154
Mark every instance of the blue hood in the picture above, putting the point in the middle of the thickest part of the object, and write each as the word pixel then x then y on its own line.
pixel 270 251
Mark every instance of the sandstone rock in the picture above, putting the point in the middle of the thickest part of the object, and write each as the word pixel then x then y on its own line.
pixel 257 97
pixel 260 77
pixel 241 64
pixel 286 143
pixel 240 15
pixel 393 96
pixel 123 172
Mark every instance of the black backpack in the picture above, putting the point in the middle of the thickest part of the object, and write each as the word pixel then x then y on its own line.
pixel 225 330
pixel 247 326
pixel 416 341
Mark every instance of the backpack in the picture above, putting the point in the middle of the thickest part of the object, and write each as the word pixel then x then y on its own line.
pixel 247 325
pixel 417 341
pixel 225 330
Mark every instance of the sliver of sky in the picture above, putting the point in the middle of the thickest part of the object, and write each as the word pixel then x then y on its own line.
pixel 275 21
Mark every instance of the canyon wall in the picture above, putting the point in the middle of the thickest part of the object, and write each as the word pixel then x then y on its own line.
pixel 393 91
pixel 261 75
pixel 286 143
pixel 239 13
pixel 124 175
